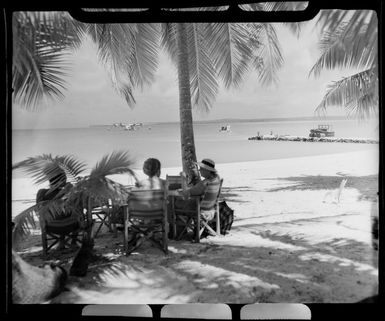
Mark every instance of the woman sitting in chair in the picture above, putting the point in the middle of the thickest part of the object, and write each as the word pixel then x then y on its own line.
pixel 151 167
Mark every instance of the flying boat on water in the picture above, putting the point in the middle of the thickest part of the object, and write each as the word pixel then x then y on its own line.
pixel 225 128
pixel 130 126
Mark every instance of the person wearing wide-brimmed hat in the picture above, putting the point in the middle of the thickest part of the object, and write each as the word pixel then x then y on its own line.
pixel 211 177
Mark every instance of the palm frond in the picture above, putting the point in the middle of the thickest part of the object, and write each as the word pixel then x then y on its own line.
pixel 38 215
pixel 41 43
pixel 168 40
pixel 203 82
pixel 40 74
pixel 115 44
pixel 357 93
pixel 129 51
pixel 228 49
pixel 54 209
pixel 145 60
pixel 102 189
pixel 118 162
pixel 350 40
pixel 44 167
pixel 294 27
pixel 270 54
pixel 340 49
pixel 329 20
pixel 52 29
pixel 25 223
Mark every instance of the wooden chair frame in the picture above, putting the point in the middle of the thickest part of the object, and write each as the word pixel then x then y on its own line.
pixel 173 181
pixel 102 216
pixel 144 223
pixel 54 233
pixel 194 218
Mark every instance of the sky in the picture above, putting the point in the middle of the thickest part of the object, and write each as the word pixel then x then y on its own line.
pixel 91 100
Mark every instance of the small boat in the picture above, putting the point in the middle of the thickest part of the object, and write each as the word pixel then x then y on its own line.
pixel 322 131
pixel 225 128
pixel 129 127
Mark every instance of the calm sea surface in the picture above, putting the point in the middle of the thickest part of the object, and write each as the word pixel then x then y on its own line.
pixel 163 141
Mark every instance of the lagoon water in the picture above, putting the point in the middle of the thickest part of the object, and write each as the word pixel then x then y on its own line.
pixel 162 140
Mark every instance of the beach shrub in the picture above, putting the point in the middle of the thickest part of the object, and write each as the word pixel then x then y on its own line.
pixel 80 196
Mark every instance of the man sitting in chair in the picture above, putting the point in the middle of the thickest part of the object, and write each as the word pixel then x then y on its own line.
pixel 211 177
pixel 58 184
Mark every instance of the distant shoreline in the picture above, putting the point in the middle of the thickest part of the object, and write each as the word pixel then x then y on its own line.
pixel 222 121
pixel 252 120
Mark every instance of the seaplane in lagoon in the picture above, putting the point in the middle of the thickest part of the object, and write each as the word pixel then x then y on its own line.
pixel 130 126
pixel 225 128
pixel 133 126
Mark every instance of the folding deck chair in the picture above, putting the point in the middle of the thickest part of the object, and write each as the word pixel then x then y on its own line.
pixel 69 229
pixel 193 219
pixel 145 216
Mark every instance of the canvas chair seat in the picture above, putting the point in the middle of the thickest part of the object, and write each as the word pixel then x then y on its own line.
pixel 63 226
pixel 68 229
pixel 145 218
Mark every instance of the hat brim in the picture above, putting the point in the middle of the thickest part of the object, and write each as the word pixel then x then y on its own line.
pixel 211 169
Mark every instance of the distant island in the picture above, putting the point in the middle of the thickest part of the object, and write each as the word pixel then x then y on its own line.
pixel 260 120
pixel 242 120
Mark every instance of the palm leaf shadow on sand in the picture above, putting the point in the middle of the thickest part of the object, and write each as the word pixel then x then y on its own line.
pixel 204 274
pixel 232 194
pixel 366 185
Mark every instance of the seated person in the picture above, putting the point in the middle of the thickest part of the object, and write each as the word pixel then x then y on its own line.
pixel 211 178
pixel 151 167
pixel 57 184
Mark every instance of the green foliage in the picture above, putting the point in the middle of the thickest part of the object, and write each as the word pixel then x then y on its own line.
pixel 96 187
pixel 41 43
pixel 130 54
pixel 350 41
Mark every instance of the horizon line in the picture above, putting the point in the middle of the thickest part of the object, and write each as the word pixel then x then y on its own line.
pixel 319 118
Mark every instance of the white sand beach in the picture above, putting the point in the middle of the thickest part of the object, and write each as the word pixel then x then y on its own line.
pixel 291 241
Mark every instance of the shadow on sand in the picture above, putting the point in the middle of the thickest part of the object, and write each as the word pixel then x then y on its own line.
pixel 332 271
pixel 366 185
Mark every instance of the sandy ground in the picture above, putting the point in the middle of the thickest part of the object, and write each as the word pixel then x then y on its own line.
pixel 291 241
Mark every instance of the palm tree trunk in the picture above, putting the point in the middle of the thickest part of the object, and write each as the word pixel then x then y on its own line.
pixel 185 109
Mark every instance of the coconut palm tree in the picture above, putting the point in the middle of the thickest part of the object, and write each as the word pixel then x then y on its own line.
pixel 350 39
pixel 203 53
pixel 81 192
